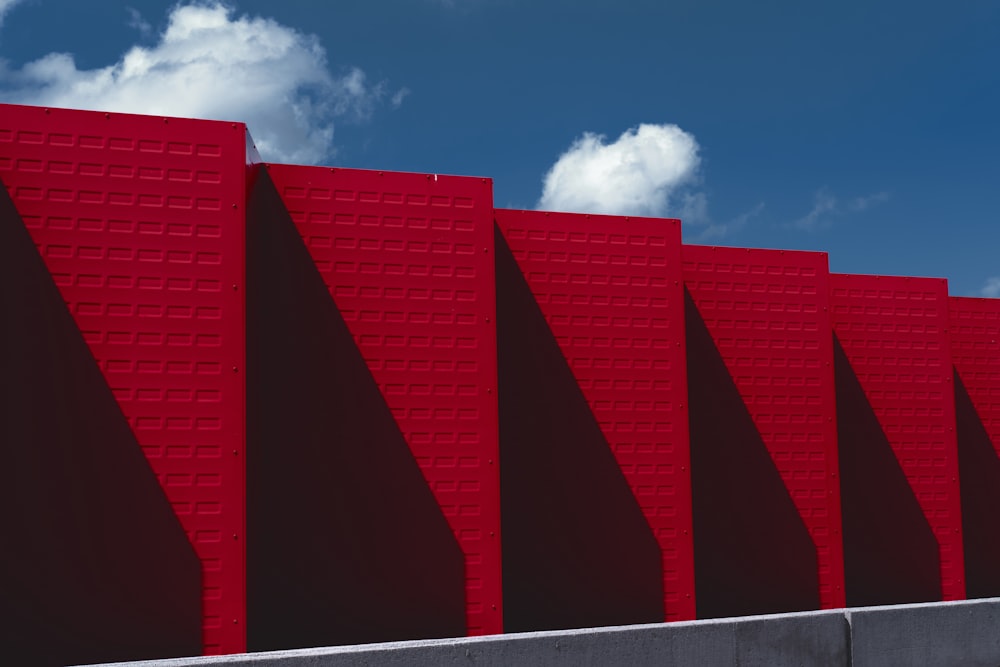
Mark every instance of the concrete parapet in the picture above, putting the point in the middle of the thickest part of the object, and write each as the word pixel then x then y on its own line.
pixel 943 633
pixel 785 639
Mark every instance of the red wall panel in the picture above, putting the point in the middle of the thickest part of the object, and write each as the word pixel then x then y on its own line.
pixel 85 520
pixel 408 259
pixel 894 335
pixel 609 289
pixel 140 222
pixel 766 311
pixel 975 353
pixel 346 543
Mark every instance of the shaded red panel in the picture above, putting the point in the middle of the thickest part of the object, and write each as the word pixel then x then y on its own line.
pixel 975 353
pixel 84 519
pixel 609 292
pixel 763 426
pixel 346 544
pixel 140 222
pixel 408 259
pixel 896 421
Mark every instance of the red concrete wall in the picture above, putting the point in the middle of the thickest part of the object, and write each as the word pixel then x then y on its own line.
pixel 140 222
pixel 408 259
pixel 767 314
pixel 893 333
pixel 610 292
pixel 975 355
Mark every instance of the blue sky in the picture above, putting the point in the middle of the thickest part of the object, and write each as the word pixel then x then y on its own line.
pixel 868 130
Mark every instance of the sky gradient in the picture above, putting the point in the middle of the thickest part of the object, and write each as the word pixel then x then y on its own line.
pixel 867 130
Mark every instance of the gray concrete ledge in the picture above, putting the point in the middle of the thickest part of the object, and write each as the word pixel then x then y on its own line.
pixel 947 633
pixel 917 635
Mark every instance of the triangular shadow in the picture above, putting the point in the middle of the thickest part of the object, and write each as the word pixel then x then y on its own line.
pixel 753 553
pixel 346 542
pixel 577 549
pixel 891 555
pixel 979 472
pixel 95 566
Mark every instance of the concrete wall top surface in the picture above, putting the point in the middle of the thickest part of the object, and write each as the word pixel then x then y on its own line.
pixel 947 633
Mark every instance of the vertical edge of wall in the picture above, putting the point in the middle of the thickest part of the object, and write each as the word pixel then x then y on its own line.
pixel 975 352
pixel 594 426
pixel 140 221
pixel 899 454
pixel 767 493
pixel 408 260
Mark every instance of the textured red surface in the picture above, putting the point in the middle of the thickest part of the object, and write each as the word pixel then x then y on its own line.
pixel 767 313
pixel 975 352
pixel 894 332
pixel 140 222
pixel 408 259
pixel 610 290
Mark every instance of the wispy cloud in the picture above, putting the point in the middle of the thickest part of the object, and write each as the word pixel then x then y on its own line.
pixel 6 6
pixel 715 231
pixel 864 203
pixel 136 21
pixel 399 96
pixel 826 207
pixel 210 63
pixel 816 218
pixel 637 174
pixel 991 288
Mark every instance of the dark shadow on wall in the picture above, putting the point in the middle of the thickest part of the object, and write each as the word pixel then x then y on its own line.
pixel 577 549
pixel 95 566
pixel 890 553
pixel 979 474
pixel 753 553
pixel 346 543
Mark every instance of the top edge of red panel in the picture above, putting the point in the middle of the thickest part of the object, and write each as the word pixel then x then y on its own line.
pixel 568 215
pixel 975 300
pixel 865 277
pixel 62 112
pixel 387 172
pixel 819 254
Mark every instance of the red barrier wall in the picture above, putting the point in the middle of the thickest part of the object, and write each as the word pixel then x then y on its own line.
pixel 895 396
pixel 767 315
pixel 408 259
pixel 346 544
pixel 140 222
pixel 975 353
pixel 609 290
pixel 85 520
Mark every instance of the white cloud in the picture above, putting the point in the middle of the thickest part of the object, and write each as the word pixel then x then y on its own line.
pixel 209 63
pixel 6 6
pixel 637 174
pixel 991 288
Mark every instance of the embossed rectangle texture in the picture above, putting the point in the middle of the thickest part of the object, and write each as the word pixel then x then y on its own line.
pixel 767 313
pixel 894 332
pixel 140 222
pixel 610 290
pixel 408 259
